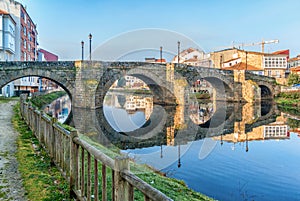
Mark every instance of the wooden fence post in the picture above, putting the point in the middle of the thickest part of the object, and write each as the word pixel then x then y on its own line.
pixel 53 141
pixel 73 164
pixel 120 185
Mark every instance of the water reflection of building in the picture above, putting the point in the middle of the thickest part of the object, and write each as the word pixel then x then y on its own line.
pixel 200 113
pixel 132 103
pixel 138 103
pixel 276 130
pixel 130 82
pixel 59 108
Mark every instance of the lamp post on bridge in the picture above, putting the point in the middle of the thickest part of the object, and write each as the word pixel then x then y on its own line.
pixel 82 50
pixel 178 44
pixel 90 37
pixel 160 54
pixel 246 60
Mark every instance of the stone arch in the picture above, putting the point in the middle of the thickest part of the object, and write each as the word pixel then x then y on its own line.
pixel 62 73
pixel 221 81
pixel 266 92
pixel 161 89
pixel 152 132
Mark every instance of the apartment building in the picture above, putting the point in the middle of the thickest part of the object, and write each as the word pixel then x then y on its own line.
pixel 193 57
pixel 7 45
pixel 21 43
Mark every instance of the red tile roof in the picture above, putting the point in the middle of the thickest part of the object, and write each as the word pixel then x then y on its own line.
pixel 48 55
pixel 160 60
pixel 231 60
pixel 294 59
pixel 242 66
pixel 2 12
pixel 286 52
pixel 295 69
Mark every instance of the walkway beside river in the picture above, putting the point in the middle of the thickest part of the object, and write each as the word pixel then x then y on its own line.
pixel 11 187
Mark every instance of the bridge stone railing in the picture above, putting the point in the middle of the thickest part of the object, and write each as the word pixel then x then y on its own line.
pixel 84 165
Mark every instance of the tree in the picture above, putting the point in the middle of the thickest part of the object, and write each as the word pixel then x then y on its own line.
pixel 293 79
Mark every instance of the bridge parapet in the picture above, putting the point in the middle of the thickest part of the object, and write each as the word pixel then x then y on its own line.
pixel 254 77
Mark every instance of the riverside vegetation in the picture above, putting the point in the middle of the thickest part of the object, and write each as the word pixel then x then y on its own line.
pixel 43 181
pixel 289 102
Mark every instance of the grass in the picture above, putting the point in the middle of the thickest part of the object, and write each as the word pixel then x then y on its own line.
pixel 289 102
pixel 41 101
pixel 6 100
pixel 41 180
pixel 173 188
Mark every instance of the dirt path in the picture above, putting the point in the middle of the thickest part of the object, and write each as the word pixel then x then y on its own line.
pixel 10 180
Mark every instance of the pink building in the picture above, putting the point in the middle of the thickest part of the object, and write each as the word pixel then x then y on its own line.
pixel 44 55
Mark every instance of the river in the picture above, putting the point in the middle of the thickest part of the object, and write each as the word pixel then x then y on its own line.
pixel 228 151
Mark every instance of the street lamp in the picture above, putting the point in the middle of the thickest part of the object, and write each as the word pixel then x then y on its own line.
pixel 246 60
pixel 160 54
pixel 90 37
pixel 178 43
pixel 82 50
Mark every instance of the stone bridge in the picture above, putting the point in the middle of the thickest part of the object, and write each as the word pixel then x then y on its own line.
pixel 87 82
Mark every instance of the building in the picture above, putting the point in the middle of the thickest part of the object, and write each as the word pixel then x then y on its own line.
pixel 25 42
pixel 268 64
pixel 193 57
pixel 44 55
pixel 244 66
pixel 25 31
pixel 154 60
pixel 7 37
pixel 45 84
pixel 7 46
pixel 275 65
pixel 294 65
pixel 295 70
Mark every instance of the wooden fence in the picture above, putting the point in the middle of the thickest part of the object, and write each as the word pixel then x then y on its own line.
pixel 92 174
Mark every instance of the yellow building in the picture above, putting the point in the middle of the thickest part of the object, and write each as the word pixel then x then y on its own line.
pixel 268 64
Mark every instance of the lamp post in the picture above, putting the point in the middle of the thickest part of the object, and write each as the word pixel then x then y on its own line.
pixel 179 162
pixel 246 60
pixel 178 43
pixel 82 50
pixel 90 37
pixel 160 54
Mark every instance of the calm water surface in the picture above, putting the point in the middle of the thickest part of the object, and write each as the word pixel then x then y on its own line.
pixel 250 164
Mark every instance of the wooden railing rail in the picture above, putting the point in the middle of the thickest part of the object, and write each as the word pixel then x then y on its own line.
pixel 92 174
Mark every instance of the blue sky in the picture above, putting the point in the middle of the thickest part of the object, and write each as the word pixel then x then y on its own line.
pixel 210 24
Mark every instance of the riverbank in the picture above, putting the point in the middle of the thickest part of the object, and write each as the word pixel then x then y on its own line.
pixel 173 188
pixel 41 179
pixel 289 102
pixel 43 100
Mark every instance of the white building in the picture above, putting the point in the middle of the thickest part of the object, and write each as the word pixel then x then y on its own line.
pixel 7 46
pixel 20 40
pixel 193 57
pixel 275 65
pixel 7 37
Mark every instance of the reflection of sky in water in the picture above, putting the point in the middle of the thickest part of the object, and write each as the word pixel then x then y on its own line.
pixel 121 121
pixel 268 171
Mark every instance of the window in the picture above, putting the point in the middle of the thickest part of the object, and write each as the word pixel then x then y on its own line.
pixel 24 43
pixel 22 15
pixel 24 31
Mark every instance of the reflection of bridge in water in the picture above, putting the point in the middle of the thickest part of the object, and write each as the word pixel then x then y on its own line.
pixel 172 125
pixel 88 82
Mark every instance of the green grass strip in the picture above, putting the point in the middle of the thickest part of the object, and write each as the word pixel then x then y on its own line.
pixel 42 180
